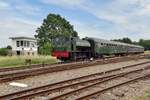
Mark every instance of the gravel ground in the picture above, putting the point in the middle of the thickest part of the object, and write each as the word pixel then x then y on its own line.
pixel 127 92
pixel 35 81
pixel 111 96
pixel 137 89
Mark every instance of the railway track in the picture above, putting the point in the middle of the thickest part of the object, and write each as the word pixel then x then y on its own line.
pixel 66 63
pixel 90 96
pixel 89 91
pixel 45 65
pixel 83 82
pixel 20 74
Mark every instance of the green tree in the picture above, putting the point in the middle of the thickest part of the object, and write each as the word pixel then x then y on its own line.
pixel 53 26
pixel 127 40
pixel 9 47
pixel 145 44
pixel 124 40
pixel 46 49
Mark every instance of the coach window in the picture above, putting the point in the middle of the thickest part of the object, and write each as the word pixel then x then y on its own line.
pixel 110 45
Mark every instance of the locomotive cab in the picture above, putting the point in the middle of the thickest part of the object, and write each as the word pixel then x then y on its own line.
pixel 81 50
pixel 71 48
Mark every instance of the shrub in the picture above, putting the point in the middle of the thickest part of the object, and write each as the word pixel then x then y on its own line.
pixel 4 52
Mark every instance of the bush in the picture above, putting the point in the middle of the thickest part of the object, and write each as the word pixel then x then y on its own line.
pixel 4 52
pixel 46 49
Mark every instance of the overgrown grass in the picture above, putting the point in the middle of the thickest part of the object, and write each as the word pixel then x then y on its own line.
pixel 146 96
pixel 13 61
pixel 147 52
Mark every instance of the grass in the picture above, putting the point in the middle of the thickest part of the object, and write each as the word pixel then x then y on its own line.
pixel 147 52
pixel 146 96
pixel 13 61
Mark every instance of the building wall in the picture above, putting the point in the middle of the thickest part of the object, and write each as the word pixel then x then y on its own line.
pixel 24 50
pixel 31 53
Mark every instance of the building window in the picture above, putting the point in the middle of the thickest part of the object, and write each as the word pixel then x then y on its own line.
pixel 35 43
pixel 21 43
pixel 25 43
pixel 32 45
pixel 28 43
pixel 18 44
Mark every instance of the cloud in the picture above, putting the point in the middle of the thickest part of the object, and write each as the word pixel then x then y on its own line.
pixel 92 30
pixel 4 5
pixel 20 6
pixel 27 8
pixel 121 18
pixel 16 20
pixel 64 3
pixel 16 27
pixel 129 18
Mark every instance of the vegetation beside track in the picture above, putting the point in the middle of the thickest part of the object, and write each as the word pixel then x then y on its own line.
pixel 147 52
pixel 146 96
pixel 13 61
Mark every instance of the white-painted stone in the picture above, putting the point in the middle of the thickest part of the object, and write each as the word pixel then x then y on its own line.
pixel 18 84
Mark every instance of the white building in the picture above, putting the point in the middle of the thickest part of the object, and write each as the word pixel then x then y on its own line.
pixel 24 46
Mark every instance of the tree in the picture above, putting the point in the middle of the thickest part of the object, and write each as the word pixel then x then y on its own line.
pixel 127 40
pixel 46 49
pixel 124 40
pixel 53 26
pixel 9 47
pixel 145 44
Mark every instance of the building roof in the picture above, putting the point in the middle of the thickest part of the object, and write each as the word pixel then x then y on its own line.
pixel 22 37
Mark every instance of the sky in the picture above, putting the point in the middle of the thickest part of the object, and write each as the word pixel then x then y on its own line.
pixel 105 19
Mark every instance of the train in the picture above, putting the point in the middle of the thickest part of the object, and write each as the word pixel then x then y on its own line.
pixel 74 48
